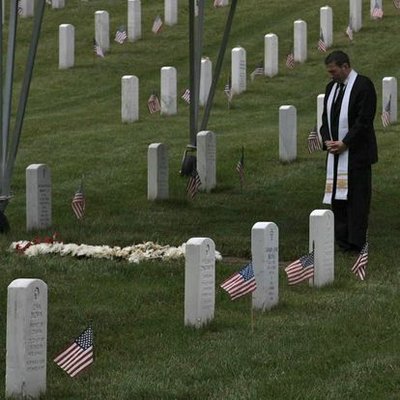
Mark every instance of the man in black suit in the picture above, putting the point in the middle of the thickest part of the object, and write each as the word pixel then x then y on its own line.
pixel 349 137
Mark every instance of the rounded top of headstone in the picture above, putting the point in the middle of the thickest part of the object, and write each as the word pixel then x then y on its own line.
pixel 36 166
pixel 155 145
pixel 25 282
pixel 287 107
pixel 205 133
pixel 264 225
pixel 320 213
pixel 198 241
pixel 129 77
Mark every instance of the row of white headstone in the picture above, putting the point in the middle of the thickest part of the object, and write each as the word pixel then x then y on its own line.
pixel 27 303
pixel 38 176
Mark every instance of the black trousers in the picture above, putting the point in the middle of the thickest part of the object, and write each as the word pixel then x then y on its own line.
pixel 351 215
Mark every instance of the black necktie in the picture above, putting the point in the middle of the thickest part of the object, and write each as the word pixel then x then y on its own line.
pixel 339 98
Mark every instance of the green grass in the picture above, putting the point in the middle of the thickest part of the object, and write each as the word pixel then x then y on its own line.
pixel 340 342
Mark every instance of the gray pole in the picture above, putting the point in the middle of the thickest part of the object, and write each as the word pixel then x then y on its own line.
pixel 218 65
pixel 1 92
pixel 39 11
pixel 7 89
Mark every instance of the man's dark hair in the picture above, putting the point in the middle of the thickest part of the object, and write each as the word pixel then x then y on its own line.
pixel 338 57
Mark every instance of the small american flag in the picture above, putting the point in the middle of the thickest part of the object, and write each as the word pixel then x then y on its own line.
pixel 19 8
pixel 240 283
pixel 377 12
pixel 228 90
pixel 301 269
pixel 193 184
pixel 97 49
pixel 153 104
pixel 385 117
pixel 360 266
pixel 78 203
pixel 313 142
pixel 186 96
pixel 258 71
pixel 157 25
pixel 240 168
pixel 349 30
pixel 78 356
pixel 321 43
pixel 120 35
pixel 396 3
pixel 290 60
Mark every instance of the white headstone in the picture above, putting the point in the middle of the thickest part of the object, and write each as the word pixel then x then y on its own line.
pixel 355 8
pixel 26 338
pixel 57 4
pixel 223 3
pixel 168 91
pixel 320 110
pixel 287 133
pixel 326 24
pixel 38 197
pixel 199 281
pixel 389 91
pixel 378 3
pixel 321 239
pixel 102 29
pixel 238 70
pixel 66 38
pixel 300 41
pixel 27 7
pixel 171 12
pixel 134 20
pixel 129 98
pixel 205 80
pixel 157 172
pixel 271 55
pixel 207 160
pixel 265 260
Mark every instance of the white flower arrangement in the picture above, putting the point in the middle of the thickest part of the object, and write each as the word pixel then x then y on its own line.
pixel 133 254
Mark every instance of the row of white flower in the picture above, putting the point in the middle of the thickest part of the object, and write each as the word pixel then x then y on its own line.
pixel 134 254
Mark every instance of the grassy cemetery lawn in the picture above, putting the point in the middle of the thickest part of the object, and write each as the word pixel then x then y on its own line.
pixel 338 342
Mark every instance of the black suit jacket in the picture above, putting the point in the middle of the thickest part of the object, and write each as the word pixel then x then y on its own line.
pixel 360 139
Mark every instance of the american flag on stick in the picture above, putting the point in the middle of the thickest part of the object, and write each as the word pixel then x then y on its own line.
pixel 258 71
pixel 240 167
pixel 240 283
pixel 97 49
pixel 120 35
pixel 301 269
pixel 349 30
pixel 228 90
pixel 186 96
pixel 193 184
pixel 78 203
pixel 396 3
pixel 377 12
pixel 321 43
pixel 313 142
pixel 385 117
pixel 360 266
pixel 157 25
pixel 153 104
pixel 290 60
pixel 78 356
